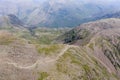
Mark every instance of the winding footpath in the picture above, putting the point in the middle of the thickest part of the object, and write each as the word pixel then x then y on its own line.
pixel 43 61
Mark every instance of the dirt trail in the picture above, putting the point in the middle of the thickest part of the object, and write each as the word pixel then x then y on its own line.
pixel 43 61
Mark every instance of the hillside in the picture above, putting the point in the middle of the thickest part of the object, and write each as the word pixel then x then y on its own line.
pixel 23 57
pixel 101 38
pixel 39 40
pixel 23 61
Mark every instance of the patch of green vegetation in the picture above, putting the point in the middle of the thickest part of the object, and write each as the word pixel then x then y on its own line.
pixel 49 49
pixel 46 39
pixel 6 28
pixel 71 36
pixel 42 35
pixel 6 39
pixel 25 35
pixel 43 76
pixel 83 33
pixel 91 73
pixel 75 35
pixel 67 54
pixel 75 61
pixel 74 58
pixel 86 68
pixel 91 46
pixel 61 67
pixel 105 72
pixel 65 61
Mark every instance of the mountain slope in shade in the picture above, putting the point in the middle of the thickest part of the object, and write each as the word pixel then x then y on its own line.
pixel 101 38
pixel 15 20
pixel 13 24
pixel 10 21
pixel 109 15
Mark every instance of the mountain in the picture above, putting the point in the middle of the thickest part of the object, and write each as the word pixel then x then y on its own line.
pixel 66 13
pixel 109 15
pixel 10 21
pixel 22 60
pixel 19 8
pixel 93 53
pixel 34 45
pixel 101 39
pixel 13 24
pixel 54 13
pixel 91 28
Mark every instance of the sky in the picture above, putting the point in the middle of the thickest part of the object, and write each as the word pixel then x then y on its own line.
pixel 37 2
pixel 64 0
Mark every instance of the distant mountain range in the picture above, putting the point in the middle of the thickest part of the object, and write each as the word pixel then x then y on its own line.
pixel 57 13
pixel 109 15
